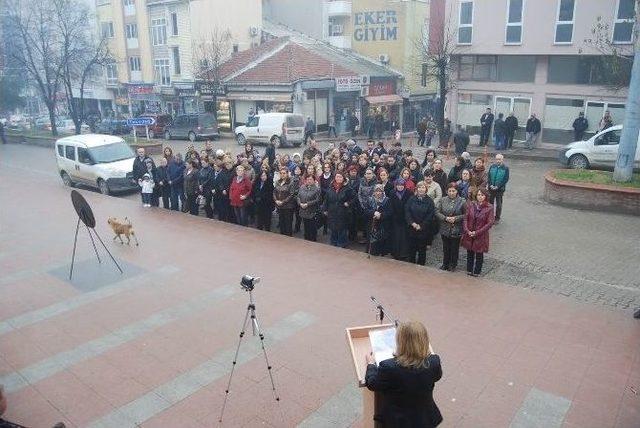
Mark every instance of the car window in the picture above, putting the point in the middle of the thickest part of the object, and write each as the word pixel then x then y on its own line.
pixel 295 121
pixel 61 150
pixel 207 121
pixel 610 138
pixel 83 156
pixel 254 121
pixel 70 152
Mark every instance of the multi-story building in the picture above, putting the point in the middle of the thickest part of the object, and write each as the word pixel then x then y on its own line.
pixel 390 32
pixel 534 57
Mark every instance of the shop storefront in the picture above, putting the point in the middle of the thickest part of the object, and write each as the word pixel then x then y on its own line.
pixel 242 103
pixel 383 101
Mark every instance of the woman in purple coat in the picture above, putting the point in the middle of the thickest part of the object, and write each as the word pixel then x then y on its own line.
pixel 477 222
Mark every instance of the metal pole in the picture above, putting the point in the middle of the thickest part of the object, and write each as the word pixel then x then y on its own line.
pixel 623 170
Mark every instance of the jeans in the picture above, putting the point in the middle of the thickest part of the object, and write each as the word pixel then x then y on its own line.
pixel 241 215
pixel 496 196
pixel 176 191
pixel 531 140
pixel 286 221
pixel 146 198
pixel 450 250
pixel 474 262
pixel 338 238
pixel 500 142
pixel 417 249
pixel 332 129
pixel 310 229
pixel 484 135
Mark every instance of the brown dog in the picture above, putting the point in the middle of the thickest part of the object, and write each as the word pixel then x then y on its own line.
pixel 124 228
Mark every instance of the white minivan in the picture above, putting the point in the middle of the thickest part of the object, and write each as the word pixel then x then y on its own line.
pixel 600 150
pixel 101 161
pixel 286 128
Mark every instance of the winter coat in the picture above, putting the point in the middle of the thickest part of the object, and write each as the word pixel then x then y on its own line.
pixel 285 191
pixel 146 185
pixel 262 194
pixel 533 125
pixel 455 174
pixel 380 228
pixel 460 141
pixel 420 211
pixel 486 120
pixel 338 215
pixel 399 244
pixel 477 181
pixel 451 208
pixel 365 193
pixel 441 178
pixel 175 172
pixel 205 179
pixel 478 218
pixel 221 182
pixel 511 124
pixel 499 128
pixel 140 167
pixel 581 124
pixel 498 176
pixel 237 189
pixel 190 182
pixel 161 177
pixel 434 192
pixel 309 195
pixel 463 189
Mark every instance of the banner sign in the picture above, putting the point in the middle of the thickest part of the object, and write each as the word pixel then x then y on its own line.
pixel 349 83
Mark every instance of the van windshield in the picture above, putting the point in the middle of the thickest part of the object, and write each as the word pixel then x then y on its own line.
pixel 295 121
pixel 111 152
pixel 207 121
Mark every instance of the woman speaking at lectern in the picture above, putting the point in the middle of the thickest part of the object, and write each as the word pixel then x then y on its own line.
pixel 406 381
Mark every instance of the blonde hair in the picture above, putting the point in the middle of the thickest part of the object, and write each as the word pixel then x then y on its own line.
pixel 412 345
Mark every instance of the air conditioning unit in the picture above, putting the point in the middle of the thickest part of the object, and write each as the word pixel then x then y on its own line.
pixel 383 58
pixel 253 31
pixel 364 91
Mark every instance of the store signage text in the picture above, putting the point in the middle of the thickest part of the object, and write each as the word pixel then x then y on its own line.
pixel 376 25
pixel 349 83
pixel 140 90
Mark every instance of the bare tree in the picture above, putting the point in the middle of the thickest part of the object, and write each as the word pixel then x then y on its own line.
pixel 209 54
pixel 39 51
pixel 435 51
pixel 84 54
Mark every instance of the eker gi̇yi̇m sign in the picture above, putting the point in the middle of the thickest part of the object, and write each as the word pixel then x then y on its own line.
pixel 375 25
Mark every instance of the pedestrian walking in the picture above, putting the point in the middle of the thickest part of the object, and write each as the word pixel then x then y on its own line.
pixel 511 126
pixel 354 123
pixel 460 140
pixel 497 178
pixel 477 222
pixel 309 129
pixel 486 120
pixel 421 129
pixel 532 131
pixel 500 133
pixel 450 213
pixel 332 126
pixel 580 125
pixel 420 217
pixel 431 131
pixel 446 134
pixel 378 124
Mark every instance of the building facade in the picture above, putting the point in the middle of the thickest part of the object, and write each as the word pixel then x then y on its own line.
pixel 532 57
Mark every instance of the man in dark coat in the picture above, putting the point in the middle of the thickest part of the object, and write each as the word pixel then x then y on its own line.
pixel 533 130
pixel 460 140
pixel 353 124
pixel 309 129
pixel 140 167
pixel 486 120
pixel 580 125
pixel 500 133
pixel 511 126
pixel 421 129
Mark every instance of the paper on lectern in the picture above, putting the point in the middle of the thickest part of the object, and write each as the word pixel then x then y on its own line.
pixel 383 343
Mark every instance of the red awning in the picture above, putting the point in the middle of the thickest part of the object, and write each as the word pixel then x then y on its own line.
pixel 384 100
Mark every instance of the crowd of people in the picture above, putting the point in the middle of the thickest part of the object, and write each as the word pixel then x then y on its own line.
pixel 387 200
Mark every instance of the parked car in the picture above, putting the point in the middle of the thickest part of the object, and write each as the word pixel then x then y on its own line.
pixel 158 127
pixel 67 126
pixel 193 127
pixel 104 162
pixel 113 127
pixel 287 128
pixel 600 150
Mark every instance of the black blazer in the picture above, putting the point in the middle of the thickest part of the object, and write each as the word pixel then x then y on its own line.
pixel 407 394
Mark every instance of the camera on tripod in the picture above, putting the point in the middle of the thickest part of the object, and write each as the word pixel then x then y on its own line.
pixel 248 282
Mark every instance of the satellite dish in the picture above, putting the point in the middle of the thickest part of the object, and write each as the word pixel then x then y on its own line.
pixel 83 209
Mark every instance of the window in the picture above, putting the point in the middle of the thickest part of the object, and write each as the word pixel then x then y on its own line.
pixel 465 23
pixel 610 138
pixel 235 47
pixel 162 72
pixel 134 63
pixel 513 35
pixel 131 30
pixel 70 152
pixel 176 60
pixel 112 73
pixel 106 29
pixel 254 121
pixel 588 70
pixel 478 67
pixel 60 150
pixel 129 2
pixel 159 31
pixel 174 24
pixel 83 156
pixel 516 68
pixel 624 20
pixel 564 23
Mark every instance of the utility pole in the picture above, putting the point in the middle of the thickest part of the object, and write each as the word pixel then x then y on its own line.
pixel 623 171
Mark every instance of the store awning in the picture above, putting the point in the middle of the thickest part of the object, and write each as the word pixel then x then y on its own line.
pixel 260 96
pixel 384 100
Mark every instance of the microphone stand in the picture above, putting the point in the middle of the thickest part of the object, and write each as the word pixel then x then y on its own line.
pixel 382 312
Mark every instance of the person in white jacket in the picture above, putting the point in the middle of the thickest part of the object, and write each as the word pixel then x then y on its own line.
pixel 147 185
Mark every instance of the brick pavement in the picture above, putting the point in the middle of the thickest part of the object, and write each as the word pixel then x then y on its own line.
pixel 159 353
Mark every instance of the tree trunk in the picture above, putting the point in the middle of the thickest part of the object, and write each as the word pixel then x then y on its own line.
pixel 442 83
pixel 623 171
pixel 52 118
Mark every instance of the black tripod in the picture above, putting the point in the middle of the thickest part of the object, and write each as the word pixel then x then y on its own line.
pixel 248 283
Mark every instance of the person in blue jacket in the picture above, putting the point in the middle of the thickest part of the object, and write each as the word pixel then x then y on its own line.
pixel 175 174
pixel 498 177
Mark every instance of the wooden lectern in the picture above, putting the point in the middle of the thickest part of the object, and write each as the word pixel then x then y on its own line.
pixel 360 346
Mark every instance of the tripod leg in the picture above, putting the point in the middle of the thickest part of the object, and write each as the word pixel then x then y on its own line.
pixel 256 327
pixel 93 242
pixel 235 359
pixel 107 250
pixel 73 255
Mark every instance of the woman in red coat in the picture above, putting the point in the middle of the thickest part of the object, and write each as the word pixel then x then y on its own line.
pixel 477 222
pixel 239 193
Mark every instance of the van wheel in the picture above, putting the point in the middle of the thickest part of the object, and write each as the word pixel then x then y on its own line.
pixel 103 186
pixel 167 135
pixel 66 180
pixel 241 139
pixel 192 137
pixel 578 162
